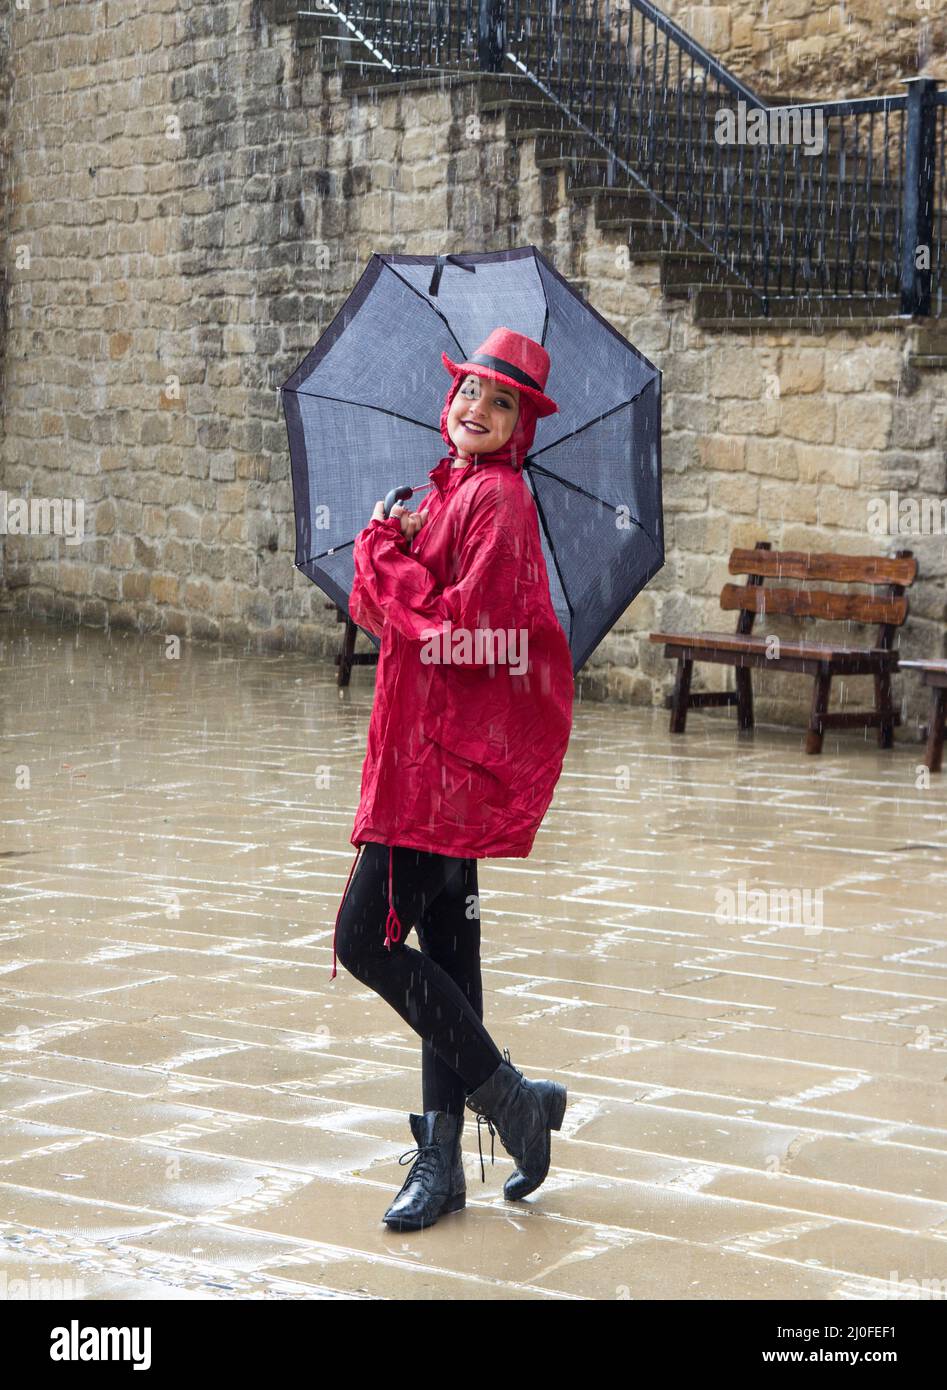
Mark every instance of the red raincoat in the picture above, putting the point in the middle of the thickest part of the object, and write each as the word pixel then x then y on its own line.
pixel 465 742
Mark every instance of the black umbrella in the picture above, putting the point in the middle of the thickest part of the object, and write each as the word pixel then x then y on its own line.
pixel 363 410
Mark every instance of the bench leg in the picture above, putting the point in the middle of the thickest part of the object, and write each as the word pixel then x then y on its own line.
pixel 884 709
pixel 935 734
pixel 681 697
pixel 348 649
pixel 820 705
pixel 744 697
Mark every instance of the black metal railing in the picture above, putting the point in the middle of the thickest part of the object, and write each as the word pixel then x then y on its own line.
pixel 939 197
pixel 823 200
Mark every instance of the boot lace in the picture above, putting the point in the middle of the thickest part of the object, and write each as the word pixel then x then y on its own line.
pixel 481 1117
pixel 425 1161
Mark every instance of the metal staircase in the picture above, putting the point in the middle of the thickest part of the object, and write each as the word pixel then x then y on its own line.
pixel 629 107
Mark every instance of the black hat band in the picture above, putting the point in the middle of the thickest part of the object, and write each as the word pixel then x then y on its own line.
pixel 484 359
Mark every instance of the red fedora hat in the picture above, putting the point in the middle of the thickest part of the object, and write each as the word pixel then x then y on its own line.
pixel 513 359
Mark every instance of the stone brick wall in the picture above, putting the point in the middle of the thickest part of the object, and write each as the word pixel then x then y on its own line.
pixel 191 201
pixel 6 183
pixel 781 436
pixel 807 49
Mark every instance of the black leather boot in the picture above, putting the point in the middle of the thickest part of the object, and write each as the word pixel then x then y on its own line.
pixel 524 1112
pixel 436 1181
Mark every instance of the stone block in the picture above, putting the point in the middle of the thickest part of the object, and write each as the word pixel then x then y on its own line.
pixel 865 421
pixel 807 418
pixel 709 25
pixel 774 457
pixel 780 502
pixel 164 588
pixel 735 371
pixel 912 427
pixel 801 370
pixel 707 534
pixel 718 451
pixel 823 463
pixel 849 371
pixel 748 417
pixel 735 494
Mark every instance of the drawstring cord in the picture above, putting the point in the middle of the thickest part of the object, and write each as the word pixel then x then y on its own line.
pixel 392 921
pixel 393 927
pixel 339 913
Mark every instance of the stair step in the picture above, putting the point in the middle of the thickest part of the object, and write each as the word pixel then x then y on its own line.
pixel 577 171
pixel 545 131
pixel 521 107
pixel 496 84
pixel 932 341
pixel 680 237
pixel 682 271
pixel 661 238
pixel 749 224
pixel 722 302
pixel 667 119
pixel 365 77
pixel 689 256
pixel 587 164
pixel 590 174
pixel 335 50
pixel 364 70
pixel 580 114
pixel 798 324
pixel 708 284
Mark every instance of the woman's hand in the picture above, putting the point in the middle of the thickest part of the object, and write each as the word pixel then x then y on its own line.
pixel 411 522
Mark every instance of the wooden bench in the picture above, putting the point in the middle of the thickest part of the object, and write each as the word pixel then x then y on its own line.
pixel 347 657
pixel 934 674
pixel 744 649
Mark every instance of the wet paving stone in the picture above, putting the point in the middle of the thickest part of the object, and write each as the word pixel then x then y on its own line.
pixel 733 955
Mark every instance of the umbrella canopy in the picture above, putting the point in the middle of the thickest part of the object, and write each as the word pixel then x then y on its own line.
pixel 363 410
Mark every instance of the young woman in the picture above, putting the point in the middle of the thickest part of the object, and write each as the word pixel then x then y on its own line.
pixel 469 729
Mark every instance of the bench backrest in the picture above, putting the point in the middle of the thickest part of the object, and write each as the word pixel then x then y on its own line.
pixel 888 609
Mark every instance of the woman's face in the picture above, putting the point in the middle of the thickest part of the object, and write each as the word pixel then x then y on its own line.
pixel 482 415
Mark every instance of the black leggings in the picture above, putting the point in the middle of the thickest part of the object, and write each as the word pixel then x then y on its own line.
pixel 436 990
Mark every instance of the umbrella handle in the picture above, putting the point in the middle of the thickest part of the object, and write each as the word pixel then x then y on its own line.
pixel 397 494
pixel 401 494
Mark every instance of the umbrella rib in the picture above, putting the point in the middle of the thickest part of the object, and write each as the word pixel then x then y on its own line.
pixel 589 423
pixel 333 550
pixel 424 299
pixel 532 465
pixel 566 482
pixel 552 551
pixel 536 254
pixel 367 405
